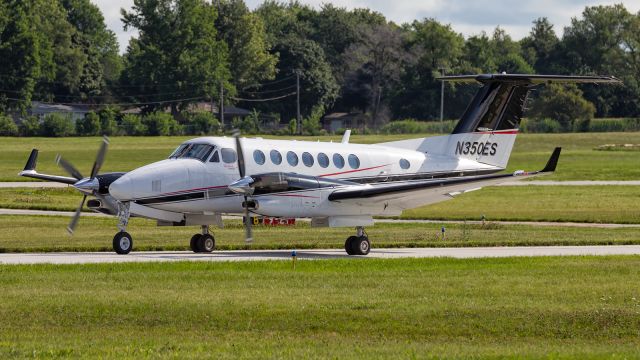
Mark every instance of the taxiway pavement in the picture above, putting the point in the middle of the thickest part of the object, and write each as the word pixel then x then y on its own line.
pixel 314 254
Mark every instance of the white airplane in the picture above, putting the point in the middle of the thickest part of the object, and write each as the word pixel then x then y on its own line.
pixel 335 184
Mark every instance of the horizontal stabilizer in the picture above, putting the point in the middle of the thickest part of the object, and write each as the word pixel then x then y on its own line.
pixel 531 79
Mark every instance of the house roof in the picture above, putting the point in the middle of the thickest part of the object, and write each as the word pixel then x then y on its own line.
pixel 38 107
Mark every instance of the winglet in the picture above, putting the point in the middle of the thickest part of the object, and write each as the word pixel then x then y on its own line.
pixel 553 161
pixel 33 160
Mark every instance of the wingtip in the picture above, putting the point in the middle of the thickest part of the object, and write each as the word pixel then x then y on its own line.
pixel 32 161
pixel 553 161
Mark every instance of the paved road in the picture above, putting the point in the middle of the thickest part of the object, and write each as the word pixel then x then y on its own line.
pixel 570 183
pixel 530 223
pixel 255 255
pixel 510 183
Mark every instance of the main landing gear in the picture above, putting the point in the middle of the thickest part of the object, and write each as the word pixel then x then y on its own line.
pixel 203 243
pixel 359 244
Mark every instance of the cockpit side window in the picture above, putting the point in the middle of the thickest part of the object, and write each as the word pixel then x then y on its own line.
pixel 215 157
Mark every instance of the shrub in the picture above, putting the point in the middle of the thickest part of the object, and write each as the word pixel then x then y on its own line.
pixel 411 126
pixel 311 124
pixel 132 125
pixel 7 126
pixel 541 126
pixel 202 123
pixel 161 124
pixel 609 125
pixel 249 125
pixel 90 125
pixel 108 123
pixel 30 126
pixel 57 125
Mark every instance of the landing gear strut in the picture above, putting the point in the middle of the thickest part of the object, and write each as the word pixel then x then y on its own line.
pixel 122 241
pixel 201 243
pixel 359 244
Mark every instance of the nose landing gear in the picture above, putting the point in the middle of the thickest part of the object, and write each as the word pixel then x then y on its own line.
pixel 122 241
pixel 359 244
pixel 203 243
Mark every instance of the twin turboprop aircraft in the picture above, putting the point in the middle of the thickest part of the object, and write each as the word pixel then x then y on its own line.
pixel 333 184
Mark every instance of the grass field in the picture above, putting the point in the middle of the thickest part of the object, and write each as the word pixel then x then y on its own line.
pixel 530 203
pixel 578 162
pixel 561 307
pixel 47 233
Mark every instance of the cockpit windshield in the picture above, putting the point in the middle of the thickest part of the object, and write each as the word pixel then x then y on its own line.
pixel 192 151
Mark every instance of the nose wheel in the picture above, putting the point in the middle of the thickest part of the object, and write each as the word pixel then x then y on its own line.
pixel 122 243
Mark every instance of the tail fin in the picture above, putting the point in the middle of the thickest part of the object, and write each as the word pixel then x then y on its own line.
pixel 487 130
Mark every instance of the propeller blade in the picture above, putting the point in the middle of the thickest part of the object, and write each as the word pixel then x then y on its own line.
pixel 76 217
pixel 102 153
pixel 241 167
pixel 248 231
pixel 68 167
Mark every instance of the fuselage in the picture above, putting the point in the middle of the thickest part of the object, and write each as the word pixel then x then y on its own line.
pixel 195 178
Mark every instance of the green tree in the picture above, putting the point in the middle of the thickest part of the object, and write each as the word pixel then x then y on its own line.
pixel 540 47
pixel 7 126
pixel 177 53
pixel 108 122
pixel 57 125
pixel 89 125
pixel 245 36
pixel 565 104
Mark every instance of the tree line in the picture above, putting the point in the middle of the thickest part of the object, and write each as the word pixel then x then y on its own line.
pixel 61 51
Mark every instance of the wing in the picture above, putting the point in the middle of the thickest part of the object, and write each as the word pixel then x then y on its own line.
pixel 410 194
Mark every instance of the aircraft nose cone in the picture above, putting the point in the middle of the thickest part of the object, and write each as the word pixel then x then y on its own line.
pixel 122 188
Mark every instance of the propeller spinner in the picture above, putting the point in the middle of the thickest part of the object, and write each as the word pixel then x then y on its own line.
pixel 87 186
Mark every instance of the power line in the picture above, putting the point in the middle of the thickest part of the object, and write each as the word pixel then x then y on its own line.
pixel 118 104
pixel 262 100
pixel 269 91
pixel 269 83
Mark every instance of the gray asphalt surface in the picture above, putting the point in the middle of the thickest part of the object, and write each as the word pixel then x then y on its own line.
pixel 320 254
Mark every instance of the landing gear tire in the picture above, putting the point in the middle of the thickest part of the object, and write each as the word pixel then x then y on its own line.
pixel 206 243
pixel 349 244
pixel 194 243
pixel 122 243
pixel 362 246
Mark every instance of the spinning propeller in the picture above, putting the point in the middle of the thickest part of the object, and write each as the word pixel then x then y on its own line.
pixel 243 186
pixel 87 186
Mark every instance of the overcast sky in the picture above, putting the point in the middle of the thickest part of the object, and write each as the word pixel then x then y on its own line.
pixel 468 17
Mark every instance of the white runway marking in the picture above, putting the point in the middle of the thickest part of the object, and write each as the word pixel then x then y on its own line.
pixel 255 255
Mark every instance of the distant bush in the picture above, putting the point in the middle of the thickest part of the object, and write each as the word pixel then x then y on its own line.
pixel 201 123
pixel 108 123
pixel 161 124
pixel 7 126
pixel 57 125
pixel 132 125
pixel 90 125
pixel 540 126
pixel 249 125
pixel 412 126
pixel 30 126
pixel 565 104
pixel 611 125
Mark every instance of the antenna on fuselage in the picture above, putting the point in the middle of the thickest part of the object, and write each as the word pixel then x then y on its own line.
pixel 346 136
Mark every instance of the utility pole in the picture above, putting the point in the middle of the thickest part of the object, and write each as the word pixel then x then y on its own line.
pixel 221 105
pixel 298 118
pixel 442 69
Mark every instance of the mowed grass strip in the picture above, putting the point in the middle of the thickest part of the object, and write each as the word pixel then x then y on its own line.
pixel 560 307
pixel 47 233
pixel 579 160
pixel 596 204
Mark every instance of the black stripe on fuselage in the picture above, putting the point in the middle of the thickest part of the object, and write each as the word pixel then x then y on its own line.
pixel 218 193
